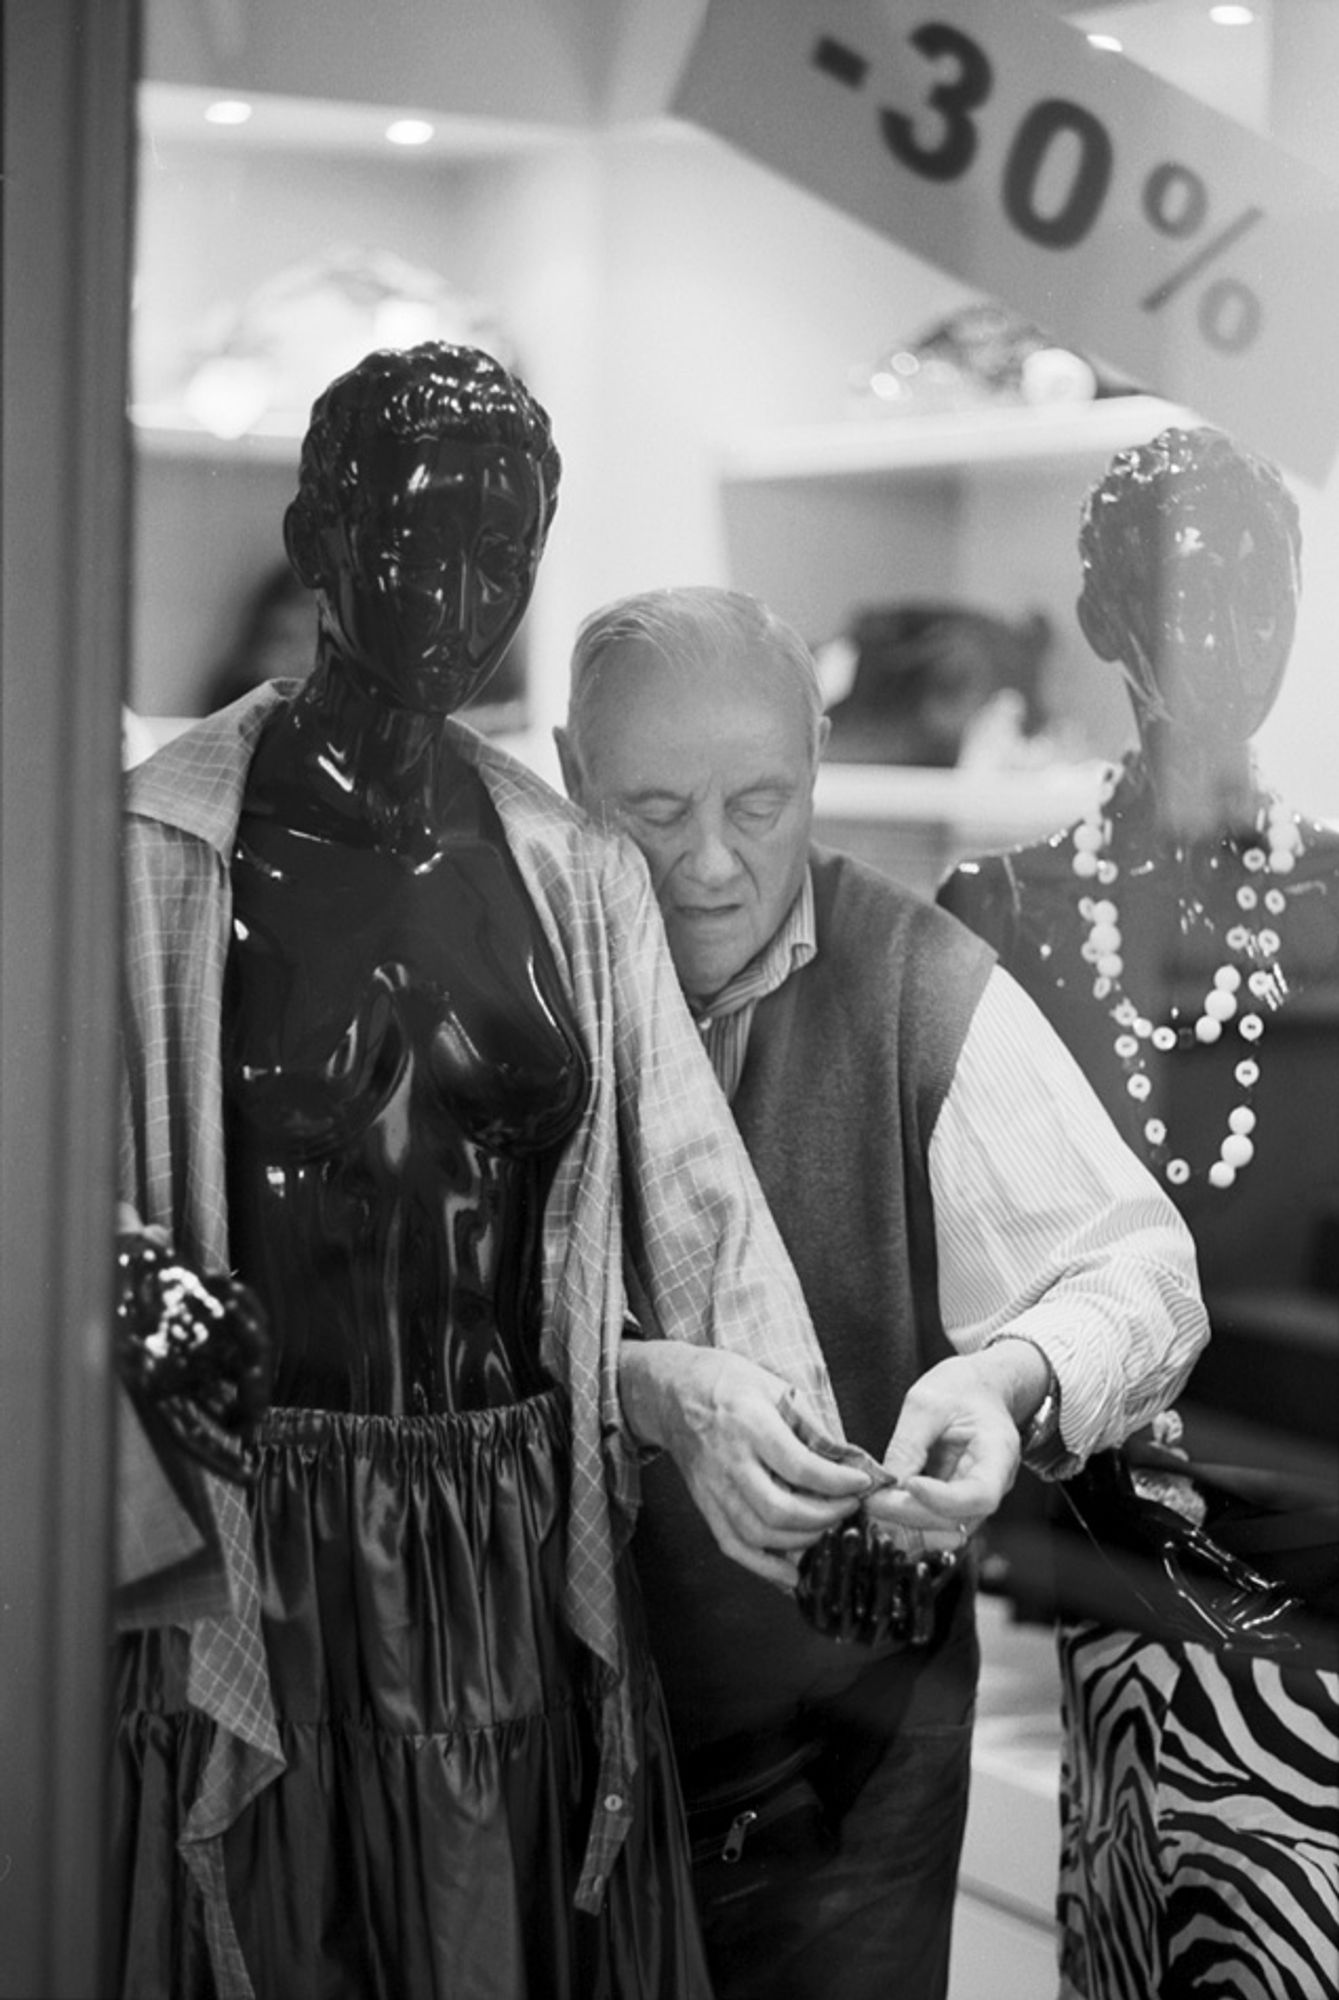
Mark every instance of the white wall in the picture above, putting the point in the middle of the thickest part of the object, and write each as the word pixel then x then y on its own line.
pixel 729 300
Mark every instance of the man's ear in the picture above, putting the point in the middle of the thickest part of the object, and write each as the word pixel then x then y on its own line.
pixel 571 766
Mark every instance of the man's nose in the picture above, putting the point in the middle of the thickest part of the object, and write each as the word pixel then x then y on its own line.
pixel 711 857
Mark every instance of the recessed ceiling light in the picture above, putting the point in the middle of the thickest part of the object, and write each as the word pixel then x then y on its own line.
pixel 409 132
pixel 1232 17
pixel 227 111
pixel 1110 43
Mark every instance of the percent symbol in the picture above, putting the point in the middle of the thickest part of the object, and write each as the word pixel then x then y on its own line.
pixel 1176 202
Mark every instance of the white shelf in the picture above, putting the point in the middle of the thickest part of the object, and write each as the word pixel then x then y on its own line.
pixel 1004 436
pixel 166 431
pixel 1014 805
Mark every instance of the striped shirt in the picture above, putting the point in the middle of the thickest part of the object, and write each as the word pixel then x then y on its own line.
pixel 1047 1225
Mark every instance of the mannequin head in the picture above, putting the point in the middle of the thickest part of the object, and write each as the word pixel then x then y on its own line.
pixel 1190 551
pixel 428 482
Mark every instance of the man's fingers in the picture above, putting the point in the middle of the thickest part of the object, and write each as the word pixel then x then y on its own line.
pixel 954 1437
pixel 914 1437
pixel 976 1488
pixel 765 1512
pixel 978 1492
pixel 932 1442
pixel 790 1460
pixel 939 1513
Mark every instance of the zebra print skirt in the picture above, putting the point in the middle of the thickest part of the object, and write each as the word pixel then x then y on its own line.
pixel 1199 1824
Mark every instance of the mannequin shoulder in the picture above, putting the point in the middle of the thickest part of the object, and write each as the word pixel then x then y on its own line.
pixel 993 892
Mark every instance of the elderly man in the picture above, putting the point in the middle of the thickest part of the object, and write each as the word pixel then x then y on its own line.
pixel 989 1270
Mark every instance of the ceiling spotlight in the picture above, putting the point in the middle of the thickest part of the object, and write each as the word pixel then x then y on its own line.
pixel 227 111
pixel 1110 44
pixel 409 132
pixel 1232 17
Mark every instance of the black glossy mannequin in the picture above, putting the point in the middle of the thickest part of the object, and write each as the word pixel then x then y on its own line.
pixel 1188 1782
pixel 401 1067
pixel 1190 552
pixel 410 1699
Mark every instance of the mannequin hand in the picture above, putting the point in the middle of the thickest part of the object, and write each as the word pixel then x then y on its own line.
pixel 955 1448
pixel 193 1350
pixel 764 1495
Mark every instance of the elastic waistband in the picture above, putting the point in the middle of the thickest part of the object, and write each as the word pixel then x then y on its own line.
pixel 363 1434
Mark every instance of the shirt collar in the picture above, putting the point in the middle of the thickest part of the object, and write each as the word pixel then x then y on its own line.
pixel 792 945
pixel 195 781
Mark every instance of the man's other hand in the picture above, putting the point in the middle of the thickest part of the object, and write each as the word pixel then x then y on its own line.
pixel 955 1449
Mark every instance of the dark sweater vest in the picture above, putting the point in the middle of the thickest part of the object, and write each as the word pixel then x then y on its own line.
pixel 848 1065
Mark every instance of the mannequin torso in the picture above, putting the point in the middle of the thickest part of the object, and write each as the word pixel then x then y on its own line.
pixel 401 1068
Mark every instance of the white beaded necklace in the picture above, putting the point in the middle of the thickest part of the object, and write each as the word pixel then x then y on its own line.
pixel 1254 943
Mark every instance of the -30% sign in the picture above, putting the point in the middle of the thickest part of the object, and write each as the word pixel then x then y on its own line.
pixel 1132 221
pixel 1057 136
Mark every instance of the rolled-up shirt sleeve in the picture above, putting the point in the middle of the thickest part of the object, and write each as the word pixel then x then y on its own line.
pixel 1049 1227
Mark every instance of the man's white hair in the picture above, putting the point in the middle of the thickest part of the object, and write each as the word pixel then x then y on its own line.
pixel 697 625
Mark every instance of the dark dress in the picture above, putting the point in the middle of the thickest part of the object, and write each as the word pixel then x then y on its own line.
pixel 402 1070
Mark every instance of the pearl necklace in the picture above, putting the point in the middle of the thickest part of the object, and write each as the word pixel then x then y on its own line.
pixel 1258 977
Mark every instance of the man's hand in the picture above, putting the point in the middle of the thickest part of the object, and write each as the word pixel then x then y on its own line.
pixel 764 1495
pixel 955 1449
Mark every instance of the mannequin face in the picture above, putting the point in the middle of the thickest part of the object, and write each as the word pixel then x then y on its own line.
pixel 1199 605
pixel 1229 615
pixel 427 572
pixel 709 769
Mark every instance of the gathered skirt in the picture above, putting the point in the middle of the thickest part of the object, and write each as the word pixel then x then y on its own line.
pixel 440 1726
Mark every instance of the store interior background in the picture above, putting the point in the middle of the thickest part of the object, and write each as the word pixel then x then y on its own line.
pixel 697 328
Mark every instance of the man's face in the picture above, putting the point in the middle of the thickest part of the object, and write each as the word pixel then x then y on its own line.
pixel 709 770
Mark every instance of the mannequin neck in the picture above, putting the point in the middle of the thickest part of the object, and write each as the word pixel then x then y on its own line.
pixel 347 750
pixel 1188 789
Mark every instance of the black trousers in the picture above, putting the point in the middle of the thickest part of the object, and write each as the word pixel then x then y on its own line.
pixel 874 1917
